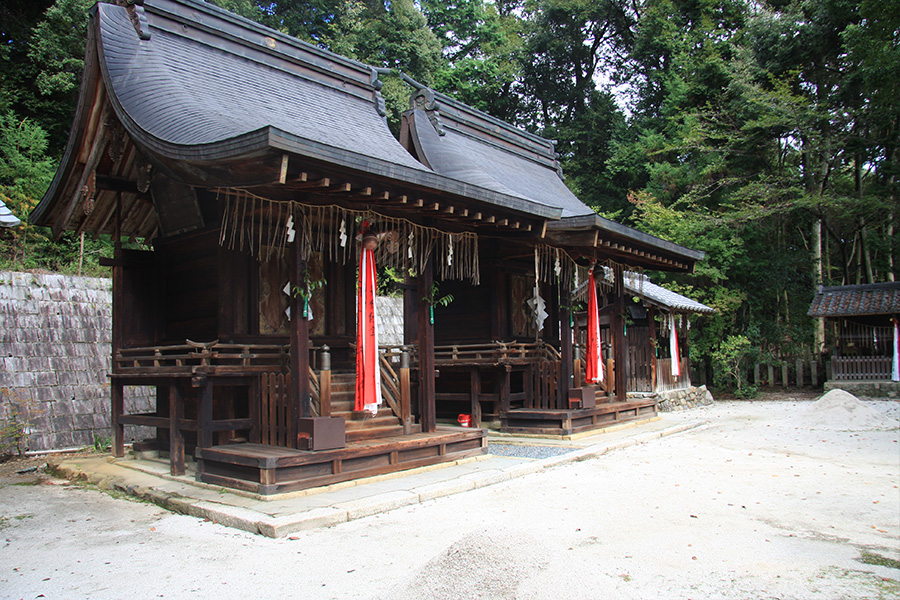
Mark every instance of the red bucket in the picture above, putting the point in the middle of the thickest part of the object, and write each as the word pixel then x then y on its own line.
pixel 465 420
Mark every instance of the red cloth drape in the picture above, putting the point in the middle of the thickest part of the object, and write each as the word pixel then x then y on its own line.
pixel 674 350
pixel 368 371
pixel 594 368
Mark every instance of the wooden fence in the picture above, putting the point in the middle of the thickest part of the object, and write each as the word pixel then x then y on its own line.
pixel 665 381
pixel 861 368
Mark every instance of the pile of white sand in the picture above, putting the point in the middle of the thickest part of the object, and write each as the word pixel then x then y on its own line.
pixel 842 411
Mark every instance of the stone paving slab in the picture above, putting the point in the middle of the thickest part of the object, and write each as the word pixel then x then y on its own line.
pixel 282 515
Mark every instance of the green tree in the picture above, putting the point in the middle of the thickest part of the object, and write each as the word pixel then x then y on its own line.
pixel 482 47
pixel 25 172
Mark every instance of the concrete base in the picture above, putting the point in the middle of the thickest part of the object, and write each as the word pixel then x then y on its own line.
pixel 869 389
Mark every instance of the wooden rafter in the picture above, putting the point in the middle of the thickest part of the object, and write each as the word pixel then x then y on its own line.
pixel 98 146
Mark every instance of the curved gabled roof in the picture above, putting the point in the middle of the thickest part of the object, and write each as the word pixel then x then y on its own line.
pixel 461 142
pixel 185 87
pixel 198 89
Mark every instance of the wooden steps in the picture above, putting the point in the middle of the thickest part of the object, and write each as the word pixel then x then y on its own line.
pixel 360 425
pixel 271 470
pixel 578 420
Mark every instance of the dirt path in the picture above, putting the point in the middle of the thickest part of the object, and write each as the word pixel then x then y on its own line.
pixel 756 505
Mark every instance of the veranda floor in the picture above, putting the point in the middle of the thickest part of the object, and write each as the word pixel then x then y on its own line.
pixel 272 470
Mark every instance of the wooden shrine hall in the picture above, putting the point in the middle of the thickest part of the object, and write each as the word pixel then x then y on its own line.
pixel 244 176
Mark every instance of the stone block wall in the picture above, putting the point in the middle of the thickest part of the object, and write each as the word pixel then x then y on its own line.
pixel 55 347
pixel 684 398
pixel 867 389
pixel 390 320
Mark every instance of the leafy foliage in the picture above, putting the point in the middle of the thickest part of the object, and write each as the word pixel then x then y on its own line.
pixel 738 128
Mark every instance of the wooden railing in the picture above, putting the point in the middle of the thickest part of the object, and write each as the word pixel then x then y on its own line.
pixel 276 411
pixel 861 368
pixel 202 358
pixel 494 353
pixel 395 383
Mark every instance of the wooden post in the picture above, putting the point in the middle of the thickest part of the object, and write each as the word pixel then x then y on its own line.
pixel 118 409
pixel 475 396
pixel 325 382
pixel 814 372
pixel 503 386
pixel 567 358
pixel 204 414
pixel 784 373
pixel 756 374
pixel 176 436
pixel 299 349
pixel 405 393
pixel 771 372
pixel 577 375
pixel 118 294
pixel 799 366
pixel 428 416
pixel 651 320
pixel 256 396
pixel 616 324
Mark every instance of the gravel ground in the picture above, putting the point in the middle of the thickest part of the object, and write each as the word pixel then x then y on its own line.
pixel 756 506
pixel 526 451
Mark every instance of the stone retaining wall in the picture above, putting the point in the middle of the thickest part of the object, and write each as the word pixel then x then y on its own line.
pixel 868 389
pixel 55 347
pixel 684 398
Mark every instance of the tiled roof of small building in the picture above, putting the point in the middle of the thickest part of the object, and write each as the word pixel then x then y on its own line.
pixel 640 285
pixel 856 300
pixel 7 219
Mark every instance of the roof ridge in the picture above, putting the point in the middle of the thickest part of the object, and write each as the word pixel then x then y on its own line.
pixel 482 121
pixel 860 286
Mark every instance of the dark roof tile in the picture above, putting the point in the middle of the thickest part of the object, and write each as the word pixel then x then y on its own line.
pixel 856 300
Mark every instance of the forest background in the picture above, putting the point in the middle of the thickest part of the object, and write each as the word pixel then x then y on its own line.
pixel 764 132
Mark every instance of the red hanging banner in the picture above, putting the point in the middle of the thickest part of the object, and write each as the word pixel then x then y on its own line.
pixel 594 367
pixel 674 350
pixel 368 371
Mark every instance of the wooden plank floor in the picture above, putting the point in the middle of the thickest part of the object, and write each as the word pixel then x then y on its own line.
pixel 272 470
pixel 577 420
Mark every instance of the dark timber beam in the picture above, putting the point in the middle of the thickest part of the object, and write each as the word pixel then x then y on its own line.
pixel 299 336
pixel 619 334
pixel 427 416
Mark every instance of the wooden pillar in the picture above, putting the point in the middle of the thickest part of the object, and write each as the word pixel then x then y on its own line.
pixel 428 415
pixel 651 320
pixel 205 413
pixel 567 356
pixel 325 383
pixel 118 294
pixel 685 348
pixel 503 386
pixel 405 395
pixel 118 409
pixel 619 350
pixel 475 392
pixel 176 436
pixel 299 335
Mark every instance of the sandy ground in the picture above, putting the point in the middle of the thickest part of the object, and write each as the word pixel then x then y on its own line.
pixel 766 502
